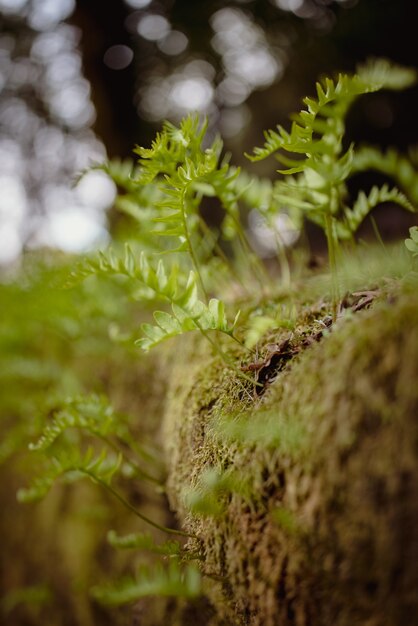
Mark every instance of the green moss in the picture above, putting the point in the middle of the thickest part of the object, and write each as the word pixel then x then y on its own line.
pixel 326 532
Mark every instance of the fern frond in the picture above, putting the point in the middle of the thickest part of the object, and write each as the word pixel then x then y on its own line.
pixel 398 166
pixel 153 282
pixel 325 113
pixel 93 414
pixel 173 580
pixel 385 74
pixel 364 204
pixel 189 313
pixel 143 541
pixel 72 465
pixel 121 172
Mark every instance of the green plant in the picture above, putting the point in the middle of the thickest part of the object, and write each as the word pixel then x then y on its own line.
pixel 322 165
pixel 412 243
pixel 80 434
pixel 161 581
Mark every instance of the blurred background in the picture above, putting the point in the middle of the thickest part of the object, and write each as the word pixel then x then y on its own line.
pixel 82 81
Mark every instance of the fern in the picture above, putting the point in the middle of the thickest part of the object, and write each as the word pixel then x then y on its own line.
pixel 150 283
pixel 72 465
pixel 184 172
pixel 143 541
pixel 325 114
pixel 364 204
pixel 181 170
pixel 322 167
pixel 207 499
pixel 398 166
pixel 189 312
pixel 173 580
pixel 93 414
pixel 317 133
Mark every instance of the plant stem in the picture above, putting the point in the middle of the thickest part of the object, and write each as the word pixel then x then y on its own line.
pixel 223 256
pixel 129 506
pixel 193 257
pixel 140 472
pixel 332 254
pixel 282 257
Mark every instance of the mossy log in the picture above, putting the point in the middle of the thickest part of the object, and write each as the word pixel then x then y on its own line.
pixel 328 533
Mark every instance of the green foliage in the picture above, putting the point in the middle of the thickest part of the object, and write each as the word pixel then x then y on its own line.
pixel 365 203
pixel 93 414
pixel 73 465
pixel 324 116
pixel 143 541
pixel 322 165
pixel 184 172
pixel 277 432
pixel 53 396
pixel 35 595
pixel 174 580
pixel 209 497
pixel 403 169
pixel 316 135
pixel 189 312
pixel 412 243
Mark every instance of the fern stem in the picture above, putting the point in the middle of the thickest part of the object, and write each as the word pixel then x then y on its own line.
pixel 129 506
pixel 193 257
pixel 377 234
pixel 332 254
pixel 252 259
pixel 224 357
pixel 282 260
pixel 223 256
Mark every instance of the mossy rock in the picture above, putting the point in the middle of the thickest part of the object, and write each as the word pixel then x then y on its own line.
pixel 318 524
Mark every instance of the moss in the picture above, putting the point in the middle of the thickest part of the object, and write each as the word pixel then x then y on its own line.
pixel 327 533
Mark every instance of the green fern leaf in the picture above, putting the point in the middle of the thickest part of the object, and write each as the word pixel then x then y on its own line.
pixel 93 414
pixel 189 314
pixel 174 580
pixel 399 167
pixel 143 541
pixel 334 98
pixel 72 466
pixel 365 203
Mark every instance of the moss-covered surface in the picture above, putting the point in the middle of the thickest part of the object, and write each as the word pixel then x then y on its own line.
pixel 312 516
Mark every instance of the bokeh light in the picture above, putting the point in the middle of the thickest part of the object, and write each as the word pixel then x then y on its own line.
pixel 118 57
pixel 176 65
pixel 46 114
